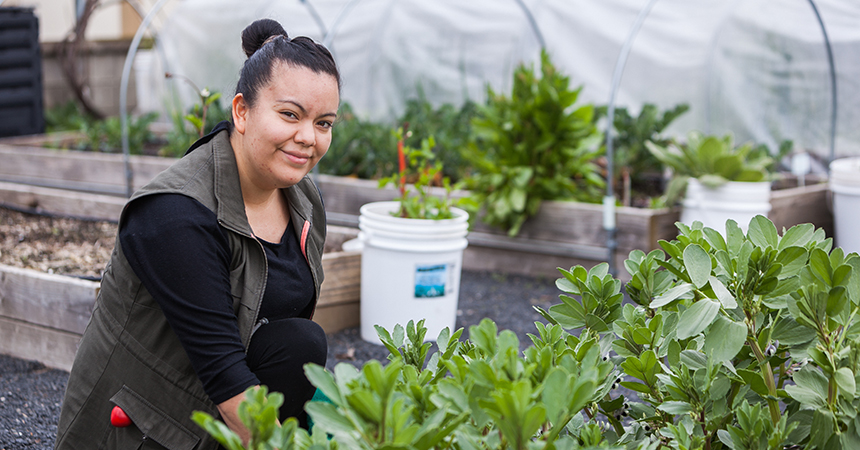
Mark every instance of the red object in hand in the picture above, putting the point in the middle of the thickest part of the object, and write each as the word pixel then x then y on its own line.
pixel 119 418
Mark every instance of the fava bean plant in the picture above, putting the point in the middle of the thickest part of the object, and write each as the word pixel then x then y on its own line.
pixel 729 340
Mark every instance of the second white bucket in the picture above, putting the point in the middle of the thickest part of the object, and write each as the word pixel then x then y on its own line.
pixel 736 200
pixel 845 185
pixel 410 269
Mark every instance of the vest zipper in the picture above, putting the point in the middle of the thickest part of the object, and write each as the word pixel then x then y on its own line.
pixel 259 324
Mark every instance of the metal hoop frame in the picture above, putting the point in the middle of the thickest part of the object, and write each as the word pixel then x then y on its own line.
pixel 609 199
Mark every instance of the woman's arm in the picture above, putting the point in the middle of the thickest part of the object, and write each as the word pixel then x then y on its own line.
pixel 181 255
pixel 230 415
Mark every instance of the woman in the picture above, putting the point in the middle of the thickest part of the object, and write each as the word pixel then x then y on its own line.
pixel 217 267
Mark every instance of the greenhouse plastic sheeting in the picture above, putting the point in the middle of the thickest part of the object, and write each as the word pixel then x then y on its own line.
pixel 755 68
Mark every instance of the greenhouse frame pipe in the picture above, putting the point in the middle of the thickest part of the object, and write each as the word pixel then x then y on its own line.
pixel 834 101
pixel 833 97
pixel 609 199
pixel 313 12
pixel 123 91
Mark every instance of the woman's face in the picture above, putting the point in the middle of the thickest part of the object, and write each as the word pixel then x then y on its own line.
pixel 288 129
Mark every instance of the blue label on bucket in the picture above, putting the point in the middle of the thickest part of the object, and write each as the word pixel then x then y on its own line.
pixel 430 280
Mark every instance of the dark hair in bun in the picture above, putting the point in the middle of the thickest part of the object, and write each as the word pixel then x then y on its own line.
pixel 265 42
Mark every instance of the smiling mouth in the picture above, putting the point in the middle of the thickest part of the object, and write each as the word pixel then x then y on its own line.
pixel 295 158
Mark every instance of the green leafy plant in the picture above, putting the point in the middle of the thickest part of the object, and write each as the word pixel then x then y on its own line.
pixel 533 145
pixel 365 149
pixel 450 126
pixel 106 135
pixel 65 117
pixel 635 168
pixel 202 117
pixel 743 341
pixel 418 172
pixel 259 413
pixel 735 341
pixel 360 148
pixel 712 160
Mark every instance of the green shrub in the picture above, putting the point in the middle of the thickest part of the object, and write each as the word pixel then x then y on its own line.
pixel 360 148
pixel 187 127
pixel 368 150
pixel 735 341
pixel 531 146
pixel 636 170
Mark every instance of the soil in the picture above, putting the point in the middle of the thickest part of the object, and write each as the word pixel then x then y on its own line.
pixel 55 245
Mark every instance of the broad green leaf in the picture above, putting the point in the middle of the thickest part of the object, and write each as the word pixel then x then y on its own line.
pixel 723 295
pixel 796 236
pixel 803 419
pixel 698 317
pixel 724 339
pixel 677 292
pixel 327 416
pixel 698 265
pixel 555 389
pixel 822 431
pixel 734 237
pixel 762 232
pixel 636 386
pixel 788 332
pixel 715 239
pixel 694 360
pixel 812 380
pixel 819 264
pixel 754 380
pixel 323 380
pixel 676 408
pixel 845 380
pixel 792 259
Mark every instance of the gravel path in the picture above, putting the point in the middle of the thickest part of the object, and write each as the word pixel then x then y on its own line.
pixel 30 394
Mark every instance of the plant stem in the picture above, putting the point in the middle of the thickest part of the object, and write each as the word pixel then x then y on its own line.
pixel 767 374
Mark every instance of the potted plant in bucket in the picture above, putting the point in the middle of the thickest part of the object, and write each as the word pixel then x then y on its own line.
pixel 718 181
pixel 412 248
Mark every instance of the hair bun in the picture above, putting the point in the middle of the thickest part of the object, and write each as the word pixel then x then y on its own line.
pixel 256 34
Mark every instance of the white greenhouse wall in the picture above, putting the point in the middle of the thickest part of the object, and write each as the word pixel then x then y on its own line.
pixel 755 68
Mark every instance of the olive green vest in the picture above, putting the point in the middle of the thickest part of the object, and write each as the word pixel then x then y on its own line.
pixel 129 355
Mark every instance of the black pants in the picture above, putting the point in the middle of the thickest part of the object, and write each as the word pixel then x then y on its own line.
pixel 277 354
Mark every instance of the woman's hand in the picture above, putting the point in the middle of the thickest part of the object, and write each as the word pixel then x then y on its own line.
pixel 229 410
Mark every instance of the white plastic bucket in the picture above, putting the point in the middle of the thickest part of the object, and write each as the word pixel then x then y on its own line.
pixel 736 200
pixel 410 269
pixel 845 185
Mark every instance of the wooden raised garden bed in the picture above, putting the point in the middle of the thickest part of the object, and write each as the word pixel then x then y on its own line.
pixel 563 233
pixel 42 315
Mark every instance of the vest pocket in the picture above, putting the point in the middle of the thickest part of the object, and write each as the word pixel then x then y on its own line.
pixel 153 423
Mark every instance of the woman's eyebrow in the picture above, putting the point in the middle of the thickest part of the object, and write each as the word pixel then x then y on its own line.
pixel 302 108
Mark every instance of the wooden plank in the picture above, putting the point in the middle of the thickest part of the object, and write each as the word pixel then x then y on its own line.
pixel 53 348
pixel 55 301
pixel 342 282
pixel 333 318
pixel 61 201
pixel 346 195
pixel 488 259
pixel 84 171
pixel 557 221
pixel 805 204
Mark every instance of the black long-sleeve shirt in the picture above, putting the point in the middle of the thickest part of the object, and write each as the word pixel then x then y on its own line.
pixel 182 256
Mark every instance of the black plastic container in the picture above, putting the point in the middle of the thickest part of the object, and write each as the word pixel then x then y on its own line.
pixel 21 107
